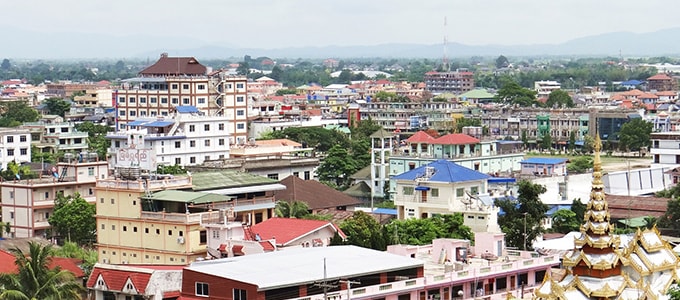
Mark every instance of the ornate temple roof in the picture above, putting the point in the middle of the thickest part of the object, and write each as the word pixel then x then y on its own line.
pixel 601 267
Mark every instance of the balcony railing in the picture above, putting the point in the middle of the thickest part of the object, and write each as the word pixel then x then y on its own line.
pixel 139 185
pixel 173 217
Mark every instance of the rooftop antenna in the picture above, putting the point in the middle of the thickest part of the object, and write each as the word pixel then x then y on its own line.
pixel 445 60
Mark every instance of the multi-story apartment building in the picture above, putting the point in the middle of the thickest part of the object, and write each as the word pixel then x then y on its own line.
pixel 665 148
pixel 543 88
pixel 67 89
pixel 183 81
pixel 28 204
pixel 186 137
pixel 456 82
pixel 409 116
pixel 56 136
pixel 95 98
pixel 662 82
pixel 15 145
pixel 155 218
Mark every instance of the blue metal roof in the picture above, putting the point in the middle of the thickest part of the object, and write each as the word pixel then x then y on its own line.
pixel 543 161
pixel 138 122
pixel 444 171
pixel 501 180
pixel 632 82
pixel 186 109
pixel 159 124
pixel 385 211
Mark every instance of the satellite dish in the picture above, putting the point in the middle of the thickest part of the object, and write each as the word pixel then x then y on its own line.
pixel 214 253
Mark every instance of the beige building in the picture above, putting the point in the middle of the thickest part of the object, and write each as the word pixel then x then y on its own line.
pixel 28 204
pixel 95 98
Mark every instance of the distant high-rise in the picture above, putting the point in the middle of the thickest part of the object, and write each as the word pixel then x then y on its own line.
pixel 456 82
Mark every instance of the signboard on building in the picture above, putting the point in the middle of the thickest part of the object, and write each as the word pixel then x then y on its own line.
pixel 143 158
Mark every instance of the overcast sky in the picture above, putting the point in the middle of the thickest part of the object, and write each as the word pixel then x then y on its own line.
pixel 289 23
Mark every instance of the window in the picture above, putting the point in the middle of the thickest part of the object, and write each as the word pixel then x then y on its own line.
pixel 113 227
pixel 90 171
pixel 121 99
pixel 117 143
pixel 178 161
pixel 192 160
pixel 146 230
pixel 220 142
pixel 124 228
pixel 121 113
pixel 201 87
pixel 10 139
pixel 170 232
pixel 296 174
pixel 206 127
pixel 220 126
pixel 142 99
pixel 185 101
pixel 113 201
pixel 239 85
pixel 460 192
pixel 207 143
pixel 240 294
pixel 11 194
pixel 134 229
pixel 181 233
pixel 192 144
pixel 103 226
pixel 202 237
pixel 202 289
pixel 22 138
pixel 407 190
pixel 192 128
pixel 47 195
pixel 101 200
pixel 240 112
pixel 178 145
pixel 23 151
pixel 132 100
pixel 155 100
pixel 158 231
pixel 474 190
pixel 240 99
pixel 164 100
pixel 206 158
pixel 174 86
pixel 434 192
pixel 307 175
pixel 11 215
pixel 240 126
pixel 142 113
pixel 175 100
pixel 185 86
pixel 274 176
pixel 201 100
pixel 133 113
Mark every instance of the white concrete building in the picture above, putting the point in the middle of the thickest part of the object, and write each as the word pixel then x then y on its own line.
pixel 186 138
pixel 545 87
pixel 15 145
pixel 665 148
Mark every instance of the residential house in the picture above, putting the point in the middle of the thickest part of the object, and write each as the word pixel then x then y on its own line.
pixel 95 98
pixel 538 166
pixel 15 146
pixel 153 282
pixel 665 148
pixel 53 135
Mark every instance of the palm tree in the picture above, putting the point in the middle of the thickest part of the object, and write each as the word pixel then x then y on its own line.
pixel 35 280
pixel 295 209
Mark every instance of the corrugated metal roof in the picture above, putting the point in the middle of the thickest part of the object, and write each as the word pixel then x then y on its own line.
pixel 186 109
pixel 542 160
pixel 204 181
pixel 444 171
pixel 297 266
pixel 188 197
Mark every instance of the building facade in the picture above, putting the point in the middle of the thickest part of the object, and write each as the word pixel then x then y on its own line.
pixel 15 146
pixel 665 148
pixel 183 81
pixel 456 82
pixel 57 136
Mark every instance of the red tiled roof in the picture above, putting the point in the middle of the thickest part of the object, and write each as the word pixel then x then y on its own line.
pixel 286 230
pixel 634 92
pixel 647 96
pixel 7 265
pixel 660 76
pixel 624 207
pixel 316 194
pixel 267 246
pixel 115 279
pixel 175 66
pixel 667 93
pixel 456 139
pixel 420 137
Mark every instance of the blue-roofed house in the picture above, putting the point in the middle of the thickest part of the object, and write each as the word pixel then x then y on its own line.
pixel 444 187
pixel 539 166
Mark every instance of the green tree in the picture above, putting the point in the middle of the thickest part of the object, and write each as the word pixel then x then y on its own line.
pixel 35 280
pixel 565 221
pixel 580 164
pixel 588 144
pixel 546 141
pixel 73 250
pixel 276 73
pixel 294 209
pixel 73 218
pixel 523 216
pixel 337 167
pixel 579 208
pixel 171 169
pixel 15 171
pixel 513 93
pixel 671 218
pixel 243 68
pixel 57 106
pixel 572 140
pixel 320 138
pixel 364 129
pixel 674 292
pixel 282 92
pixel 559 98
pixel 16 113
pixel 634 135
pixel 525 138
pixel 96 137
pixel 466 122
pixel 364 231
pixel 5 64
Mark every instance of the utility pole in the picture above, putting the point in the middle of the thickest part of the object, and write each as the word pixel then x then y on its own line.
pixel 324 284
pixel 349 286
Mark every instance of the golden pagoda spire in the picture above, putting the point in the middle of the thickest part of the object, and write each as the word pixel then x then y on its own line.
pixel 597 164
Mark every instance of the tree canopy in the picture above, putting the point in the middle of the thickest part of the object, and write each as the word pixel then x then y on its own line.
pixel 96 137
pixel 559 98
pixel 512 93
pixel 364 231
pixel 523 215
pixel 634 135
pixel 423 231
pixel 57 106
pixel 74 219
pixel 13 114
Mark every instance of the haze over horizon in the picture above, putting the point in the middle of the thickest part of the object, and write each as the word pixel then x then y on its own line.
pixel 268 24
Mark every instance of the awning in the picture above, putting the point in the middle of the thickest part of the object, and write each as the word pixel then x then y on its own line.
pixel 223 248
pixel 250 189
pixel 486 200
pixel 137 122
pixel 237 250
pixel 186 109
pixel 385 211
pixel 500 180
pixel 422 188
pixel 159 124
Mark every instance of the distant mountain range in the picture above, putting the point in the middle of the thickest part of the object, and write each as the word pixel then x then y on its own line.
pixel 28 44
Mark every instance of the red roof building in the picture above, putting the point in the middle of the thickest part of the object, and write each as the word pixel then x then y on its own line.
pixel 132 281
pixel 293 232
pixel 420 137
pixel 662 82
pixel 456 139
pixel 175 66
pixel 7 265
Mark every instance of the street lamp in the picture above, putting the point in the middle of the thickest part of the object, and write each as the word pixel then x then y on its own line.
pixel 525 231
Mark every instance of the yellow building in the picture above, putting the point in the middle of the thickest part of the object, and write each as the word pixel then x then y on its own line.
pixel 157 220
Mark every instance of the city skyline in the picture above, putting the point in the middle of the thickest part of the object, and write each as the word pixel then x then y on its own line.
pixel 272 24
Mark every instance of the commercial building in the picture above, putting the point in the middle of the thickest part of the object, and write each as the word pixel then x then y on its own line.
pixel 183 81
pixel 187 137
pixel 543 88
pixel 28 203
pixel 456 82
pixel 53 135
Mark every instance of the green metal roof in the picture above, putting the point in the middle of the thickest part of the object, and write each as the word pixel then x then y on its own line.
pixel 634 222
pixel 187 197
pixel 338 128
pixel 203 181
pixel 359 190
pixel 382 133
pixel 477 94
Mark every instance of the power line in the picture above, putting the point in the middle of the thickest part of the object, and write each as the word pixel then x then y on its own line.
pixel 325 285
pixel 349 286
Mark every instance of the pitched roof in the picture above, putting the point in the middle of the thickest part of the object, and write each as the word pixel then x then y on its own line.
pixel 203 181
pixel 420 137
pixel 477 94
pixel 456 139
pixel 287 230
pixel 444 171
pixel 187 197
pixel 115 276
pixel 7 265
pixel 359 190
pixel 316 194
pixel 660 76
pixel 382 133
pixel 166 66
